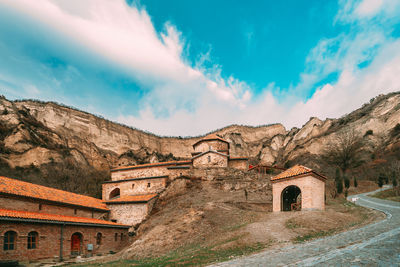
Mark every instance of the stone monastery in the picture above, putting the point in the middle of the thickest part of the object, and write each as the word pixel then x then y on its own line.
pixel 38 222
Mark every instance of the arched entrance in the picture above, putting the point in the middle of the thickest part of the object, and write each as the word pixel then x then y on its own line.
pixel 76 244
pixel 291 198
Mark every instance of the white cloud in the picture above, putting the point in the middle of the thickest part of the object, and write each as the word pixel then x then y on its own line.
pixel 186 100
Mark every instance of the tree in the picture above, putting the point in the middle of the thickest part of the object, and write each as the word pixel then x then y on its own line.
pixel 339 186
pixel 346 183
pixel 355 182
pixel 394 182
pixel 381 179
pixel 344 150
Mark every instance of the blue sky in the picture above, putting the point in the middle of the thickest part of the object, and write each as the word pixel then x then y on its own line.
pixel 188 67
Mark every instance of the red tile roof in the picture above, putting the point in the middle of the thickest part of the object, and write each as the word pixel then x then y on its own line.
pixel 295 171
pixel 137 198
pixel 27 215
pixel 25 189
pixel 156 164
pixel 211 137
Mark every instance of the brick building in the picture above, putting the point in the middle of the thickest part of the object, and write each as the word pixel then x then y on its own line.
pixel 38 222
pixel 298 188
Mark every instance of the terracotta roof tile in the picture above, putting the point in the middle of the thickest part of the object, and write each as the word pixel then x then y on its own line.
pixel 25 189
pixel 294 171
pixel 166 163
pixel 137 198
pixel 52 217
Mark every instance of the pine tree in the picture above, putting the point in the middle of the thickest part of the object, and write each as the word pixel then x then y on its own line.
pixel 355 182
pixel 346 183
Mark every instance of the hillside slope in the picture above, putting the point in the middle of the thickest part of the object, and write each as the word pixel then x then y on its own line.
pixel 60 146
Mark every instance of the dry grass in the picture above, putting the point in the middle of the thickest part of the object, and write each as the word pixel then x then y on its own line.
pixel 392 194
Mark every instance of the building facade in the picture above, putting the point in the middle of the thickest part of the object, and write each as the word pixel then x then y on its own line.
pixel 38 222
pixel 298 188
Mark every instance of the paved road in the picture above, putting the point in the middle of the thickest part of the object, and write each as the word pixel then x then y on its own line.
pixel 377 244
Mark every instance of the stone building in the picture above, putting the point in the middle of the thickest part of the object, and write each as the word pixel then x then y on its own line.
pixel 133 190
pixel 38 222
pixel 298 188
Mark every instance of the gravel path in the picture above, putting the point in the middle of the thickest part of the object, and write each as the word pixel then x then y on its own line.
pixel 377 244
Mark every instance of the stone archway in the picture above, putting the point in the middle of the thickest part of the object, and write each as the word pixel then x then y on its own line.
pixel 291 198
pixel 76 243
pixel 115 193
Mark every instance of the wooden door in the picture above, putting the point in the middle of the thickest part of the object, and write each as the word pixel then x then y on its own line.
pixel 75 244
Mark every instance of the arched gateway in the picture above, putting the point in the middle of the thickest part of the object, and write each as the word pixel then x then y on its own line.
pixel 298 188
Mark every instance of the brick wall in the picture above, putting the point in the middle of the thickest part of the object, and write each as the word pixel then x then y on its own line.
pixel 14 203
pixel 312 192
pixel 48 245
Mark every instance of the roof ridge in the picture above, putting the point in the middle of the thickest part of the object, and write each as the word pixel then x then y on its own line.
pixel 27 189
pixel 52 217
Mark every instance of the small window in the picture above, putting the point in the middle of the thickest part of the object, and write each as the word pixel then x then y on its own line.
pixel 115 193
pixel 75 211
pixel 98 238
pixel 40 206
pixel 122 236
pixel 9 240
pixel 33 240
pixel 209 158
pixel 133 186
pixel 116 237
pixel 148 184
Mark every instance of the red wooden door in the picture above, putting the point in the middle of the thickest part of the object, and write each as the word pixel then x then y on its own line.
pixel 75 243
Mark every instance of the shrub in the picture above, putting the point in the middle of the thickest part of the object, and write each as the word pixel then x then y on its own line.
pixel 394 182
pixel 346 193
pixel 396 130
pixel 355 182
pixel 369 132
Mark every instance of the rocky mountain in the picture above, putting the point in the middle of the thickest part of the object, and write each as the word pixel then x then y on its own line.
pixel 59 143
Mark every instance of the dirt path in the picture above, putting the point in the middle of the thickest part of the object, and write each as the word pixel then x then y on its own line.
pixel 377 244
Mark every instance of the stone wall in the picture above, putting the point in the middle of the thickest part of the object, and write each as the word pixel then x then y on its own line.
pixel 312 192
pixel 239 164
pixel 135 187
pixel 48 245
pixel 14 203
pixel 146 172
pixel 210 160
pixel 131 213
pixel 211 145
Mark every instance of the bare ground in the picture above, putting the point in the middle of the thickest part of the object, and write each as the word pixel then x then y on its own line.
pixel 194 214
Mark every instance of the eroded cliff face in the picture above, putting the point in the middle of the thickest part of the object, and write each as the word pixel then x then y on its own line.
pixel 35 133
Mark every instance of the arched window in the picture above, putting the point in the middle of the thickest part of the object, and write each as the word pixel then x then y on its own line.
pixel 115 193
pixel 209 158
pixel 133 186
pixel 33 238
pixel 98 238
pixel 122 236
pixel 148 184
pixel 116 237
pixel 9 240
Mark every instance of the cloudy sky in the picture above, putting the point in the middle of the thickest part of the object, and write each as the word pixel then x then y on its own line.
pixel 183 67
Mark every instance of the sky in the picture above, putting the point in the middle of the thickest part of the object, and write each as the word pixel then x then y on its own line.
pixel 185 68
